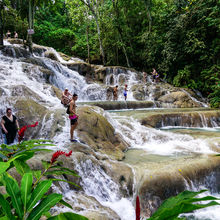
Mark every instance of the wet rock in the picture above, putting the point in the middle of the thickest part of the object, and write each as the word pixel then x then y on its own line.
pixel 111 105
pixel 82 68
pixel 21 90
pixel 15 41
pixel 16 52
pixel 64 56
pixel 179 99
pixel 35 61
pixel 28 112
pixel 165 179
pixel 51 55
pixel 98 133
pixel 2 92
pixel 185 119
pixel 37 49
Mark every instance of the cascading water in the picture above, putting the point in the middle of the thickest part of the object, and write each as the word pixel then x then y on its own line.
pixel 15 73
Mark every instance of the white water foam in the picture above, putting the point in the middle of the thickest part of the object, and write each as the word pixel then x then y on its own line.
pixel 156 141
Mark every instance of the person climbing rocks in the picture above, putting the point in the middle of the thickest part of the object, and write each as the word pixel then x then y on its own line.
pixel 8 34
pixel 144 77
pixel 15 34
pixel 155 75
pixel 73 116
pixel 66 98
pixel 10 126
pixel 125 91
pixel 115 93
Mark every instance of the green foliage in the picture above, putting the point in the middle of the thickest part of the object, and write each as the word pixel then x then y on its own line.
pixel 67 216
pixel 182 203
pixel 30 199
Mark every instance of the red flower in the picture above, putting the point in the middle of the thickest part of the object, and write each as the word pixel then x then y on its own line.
pixel 34 125
pixel 138 209
pixel 21 133
pixel 58 153
pixel 23 129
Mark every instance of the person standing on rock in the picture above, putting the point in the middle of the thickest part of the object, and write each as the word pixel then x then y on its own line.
pixel 115 93
pixel 8 34
pixel 73 117
pixel 125 91
pixel 154 73
pixel 66 98
pixel 10 126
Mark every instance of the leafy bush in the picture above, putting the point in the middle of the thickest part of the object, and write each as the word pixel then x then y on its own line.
pixel 31 198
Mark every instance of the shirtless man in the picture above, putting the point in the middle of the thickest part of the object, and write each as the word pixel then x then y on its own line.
pixel 73 116
pixel 115 93
pixel 10 126
pixel 66 98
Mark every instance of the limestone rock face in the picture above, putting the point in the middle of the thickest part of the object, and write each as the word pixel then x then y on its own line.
pixel 82 68
pixel 15 52
pixel 98 133
pixel 179 99
pixel 51 55
pixel 185 119
pixel 28 112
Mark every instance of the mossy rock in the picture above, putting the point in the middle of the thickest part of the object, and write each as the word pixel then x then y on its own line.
pixel 15 41
pixel 179 99
pixel 21 90
pixel 64 56
pixel 98 133
pixel 28 112
pixel 51 55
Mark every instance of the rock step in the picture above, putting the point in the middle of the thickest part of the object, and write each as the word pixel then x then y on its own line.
pixel 113 105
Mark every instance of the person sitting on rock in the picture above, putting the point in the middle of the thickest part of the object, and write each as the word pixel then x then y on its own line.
pixel 66 97
pixel 115 93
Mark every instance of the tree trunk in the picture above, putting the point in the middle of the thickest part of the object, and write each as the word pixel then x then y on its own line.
pixel 30 25
pixel 148 8
pixel 120 32
pixel 88 4
pixel 87 42
pixel 1 23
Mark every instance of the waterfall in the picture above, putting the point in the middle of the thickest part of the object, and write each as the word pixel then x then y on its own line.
pixel 156 141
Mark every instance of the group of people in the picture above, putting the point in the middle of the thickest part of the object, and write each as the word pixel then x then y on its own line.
pixel 115 92
pixel 9 34
pixel 155 76
pixel 10 126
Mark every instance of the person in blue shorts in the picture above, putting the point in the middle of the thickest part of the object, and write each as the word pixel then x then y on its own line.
pixel 125 91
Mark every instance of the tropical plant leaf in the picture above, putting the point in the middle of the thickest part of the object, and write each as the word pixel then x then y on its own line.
pixel 45 164
pixel 24 155
pixel 21 167
pixel 65 181
pixel 5 218
pixel 6 208
pixel 38 193
pixel 4 166
pixel 67 216
pixel 65 204
pixel 37 174
pixel 182 203
pixel 26 186
pixel 15 194
pixel 44 206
